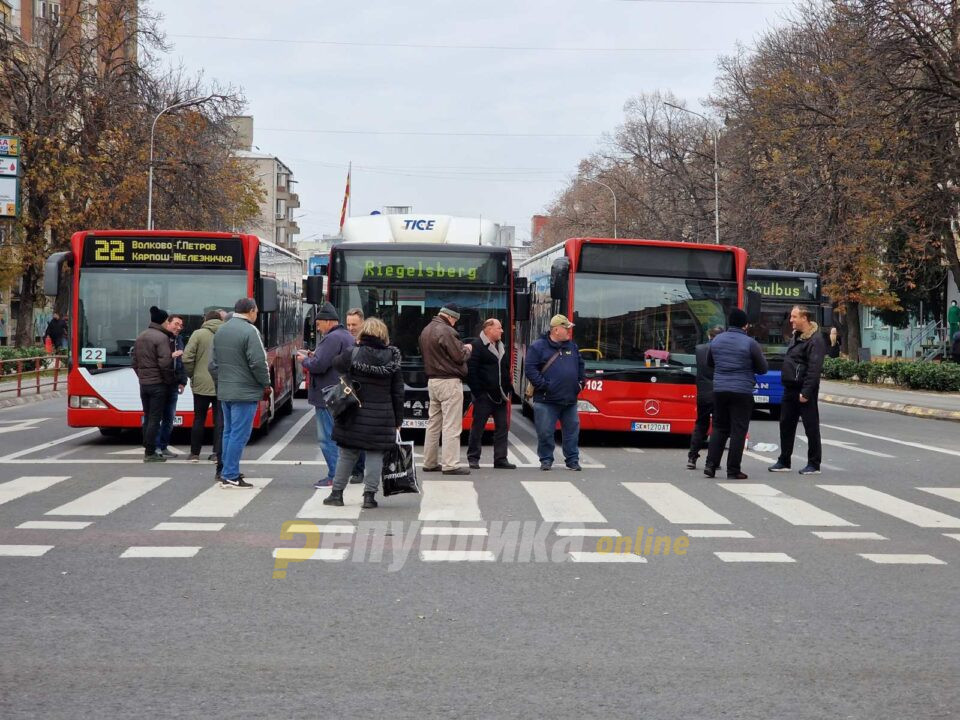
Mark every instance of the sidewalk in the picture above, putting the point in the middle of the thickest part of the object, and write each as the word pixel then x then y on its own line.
pixel 889 398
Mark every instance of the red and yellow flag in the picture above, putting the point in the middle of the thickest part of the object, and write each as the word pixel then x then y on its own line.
pixel 346 197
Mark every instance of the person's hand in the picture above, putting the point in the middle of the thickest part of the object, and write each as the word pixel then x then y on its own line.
pixel 803 399
pixel 180 389
pixel 176 353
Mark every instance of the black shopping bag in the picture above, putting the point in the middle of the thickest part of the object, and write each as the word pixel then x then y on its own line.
pixel 399 474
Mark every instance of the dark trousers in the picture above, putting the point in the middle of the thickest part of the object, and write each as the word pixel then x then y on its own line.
pixel 698 440
pixel 791 411
pixel 483 408
pixel 731 419
pixel 201 404
pixel 154 399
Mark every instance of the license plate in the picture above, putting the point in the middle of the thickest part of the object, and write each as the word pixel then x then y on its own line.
pixel 761 399
pixel 650 427
pixel 414 422
pixel 177 420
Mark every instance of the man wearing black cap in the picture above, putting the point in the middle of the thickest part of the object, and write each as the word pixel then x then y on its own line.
pixel 445 363
pixel 736 359
pixel 153 362
pixel 333 340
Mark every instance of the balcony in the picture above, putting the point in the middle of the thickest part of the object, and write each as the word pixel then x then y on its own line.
pixel 293 201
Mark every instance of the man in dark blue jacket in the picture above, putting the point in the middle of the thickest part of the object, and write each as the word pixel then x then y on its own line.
pixel 334 340
pixel 736 359
pixel 555 369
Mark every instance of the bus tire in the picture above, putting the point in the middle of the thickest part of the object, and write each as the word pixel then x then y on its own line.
pixel 110 431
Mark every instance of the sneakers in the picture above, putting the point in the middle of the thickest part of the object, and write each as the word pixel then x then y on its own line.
pixel 504 465
pixel 457 471
pixel 575 467
pixel 194 458
pixel 737 476
pixel 323 483
pixel 435 468
pixel 545 467
pixel 220 477
pixel 810 470
pixel 166 453
pixel 356 479
pixel 154 458
pixel 237 482
pixel 779 467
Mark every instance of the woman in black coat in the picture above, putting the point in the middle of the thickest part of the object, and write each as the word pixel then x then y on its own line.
pixel 374 369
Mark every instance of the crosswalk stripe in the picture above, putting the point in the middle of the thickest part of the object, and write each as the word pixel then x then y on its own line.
pixel 53 525
pixel 457 556
pixel 190 526
pixel 771 557
pixel 325 554
pixel 741 534
pixel 562 502
pixel 890 505
pixel 145 551
pixel 449 500
pixel 598 557
pixel 847 535
pixel 586 532
pixel 13 489
pixel 113 496
pixel 24 550
pixel 950 493
pixel 674 504
pixel 216 502
pixel 955 536
pixel 314 507
pixel 791 509
pixel 471 531
pixel 901 559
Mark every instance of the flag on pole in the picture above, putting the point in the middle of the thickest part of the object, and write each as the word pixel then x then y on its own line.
pixel 346 197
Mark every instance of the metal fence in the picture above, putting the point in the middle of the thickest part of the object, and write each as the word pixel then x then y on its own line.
pixel 33 375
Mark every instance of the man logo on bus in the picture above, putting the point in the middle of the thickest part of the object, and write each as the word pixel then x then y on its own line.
pixel 651 407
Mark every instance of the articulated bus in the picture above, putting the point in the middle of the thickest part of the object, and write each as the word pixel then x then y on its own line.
pixel 639 307
pixel 779 291
pixel 393 271
pixel 116 275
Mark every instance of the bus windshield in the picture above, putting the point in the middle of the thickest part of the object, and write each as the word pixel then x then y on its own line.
pixel 773 331
pixel 407 310
pixel 620 317
pixel 115 303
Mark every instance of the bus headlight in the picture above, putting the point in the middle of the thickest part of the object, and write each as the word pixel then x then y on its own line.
pixel 87 402
pixel 586 406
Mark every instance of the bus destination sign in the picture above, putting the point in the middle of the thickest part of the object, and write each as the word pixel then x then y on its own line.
pixel 783 288
pixel 448 267
pixel 163 251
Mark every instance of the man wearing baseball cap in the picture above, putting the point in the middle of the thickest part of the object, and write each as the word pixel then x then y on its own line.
pixel 555 369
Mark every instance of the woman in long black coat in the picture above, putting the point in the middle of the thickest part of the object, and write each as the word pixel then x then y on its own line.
pixel 374 369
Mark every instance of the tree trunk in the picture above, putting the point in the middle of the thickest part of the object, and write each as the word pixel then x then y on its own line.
pixel 852 311
pixel 24 336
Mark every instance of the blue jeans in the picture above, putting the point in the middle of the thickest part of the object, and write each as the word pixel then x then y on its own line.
pixel 545 416
pixel 237 425
pixel 331 453
pixel 166 422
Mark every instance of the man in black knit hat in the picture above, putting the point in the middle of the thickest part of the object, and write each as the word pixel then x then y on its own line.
pixel 154 364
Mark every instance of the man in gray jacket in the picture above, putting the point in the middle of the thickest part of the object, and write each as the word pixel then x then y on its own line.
pixel 242 381
pixel 196 361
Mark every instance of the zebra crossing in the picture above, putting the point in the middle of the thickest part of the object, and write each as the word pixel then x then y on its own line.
pixel 452 522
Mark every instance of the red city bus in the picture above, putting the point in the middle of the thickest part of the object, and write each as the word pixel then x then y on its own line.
pixel 116 275
pixel 639 307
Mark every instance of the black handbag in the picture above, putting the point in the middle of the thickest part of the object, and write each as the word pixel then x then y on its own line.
pixel 341 399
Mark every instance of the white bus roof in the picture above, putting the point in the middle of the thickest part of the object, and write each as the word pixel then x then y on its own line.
pixel 440 229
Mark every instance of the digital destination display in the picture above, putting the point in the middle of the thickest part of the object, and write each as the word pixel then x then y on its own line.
pixel 784 288
pixel 161 251
pixel 483 269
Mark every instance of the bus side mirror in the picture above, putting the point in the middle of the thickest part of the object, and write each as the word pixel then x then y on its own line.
pixel 559 275
pixel 753 307
pixel 52 270
pixel 314 295
pixel 521 306
pixel 268 300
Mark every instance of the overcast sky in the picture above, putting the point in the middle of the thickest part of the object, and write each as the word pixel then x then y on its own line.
pixel 464 108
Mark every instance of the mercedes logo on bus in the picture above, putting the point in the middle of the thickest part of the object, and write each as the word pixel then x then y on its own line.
pixel 651 407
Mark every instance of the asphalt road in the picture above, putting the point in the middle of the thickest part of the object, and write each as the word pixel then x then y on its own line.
pixel 802 627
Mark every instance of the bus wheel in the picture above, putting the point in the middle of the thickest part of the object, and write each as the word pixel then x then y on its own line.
pixel 110 431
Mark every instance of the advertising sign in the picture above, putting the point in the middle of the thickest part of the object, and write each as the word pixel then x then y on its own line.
pixel 8 197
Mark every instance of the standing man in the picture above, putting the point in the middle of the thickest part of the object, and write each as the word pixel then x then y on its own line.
pixel 196 362
pixel 953 318
pixel 242 381
pixel 800 376
pixel 445 362
pixel 554 366
pixel 354 323
pixel 488 375
pixel 174 326
pixel 153 364
pixel 332 339
pixel 736 359
pixel 56 331
pixel 704 399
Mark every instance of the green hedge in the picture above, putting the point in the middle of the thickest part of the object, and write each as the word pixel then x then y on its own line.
pixel 15 353
pixel 917 375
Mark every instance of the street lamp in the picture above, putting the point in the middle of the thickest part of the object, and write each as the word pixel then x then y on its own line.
pixel 614 202
pixel 174 106
pixel 716 167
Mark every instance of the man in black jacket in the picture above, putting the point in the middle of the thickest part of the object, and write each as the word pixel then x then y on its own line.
pixel 704 399
pixel 800 375
pixel 488 375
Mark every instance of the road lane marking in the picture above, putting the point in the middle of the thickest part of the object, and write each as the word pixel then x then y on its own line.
pixel 955 536
pixel 470 531
pixel 586 532
pixel 890 505
pixel 793 510
pixel 769 557
pixel 742 534
pixel 190 526
pixel 848 535
pixel 562 502
pixel 325 554
pixel 795 456
pixel 288 436
pixel 13 489
pixel 901 559
pixel 314 507
pixel 950 493
pixel 105 500
pixel 24 550
pixel 674 504
pixel 215 503
pixel 633 450
pixel 154 551
pixel 521 448
pixel 921 446
pixel 848 446
pixel 598 557
pixel 53 525
pixel 47 445
pixel 450 501
pixel 18 425
pixel 457 556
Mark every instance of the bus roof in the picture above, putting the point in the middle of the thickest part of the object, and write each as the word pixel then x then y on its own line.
pixel 628 241
pixel 759 272
pixel 433 229
pixel 425 247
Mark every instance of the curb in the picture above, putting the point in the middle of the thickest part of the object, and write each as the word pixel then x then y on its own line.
pixel 892 407
pixel 30 399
